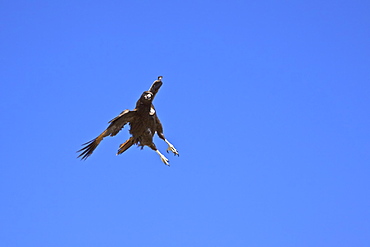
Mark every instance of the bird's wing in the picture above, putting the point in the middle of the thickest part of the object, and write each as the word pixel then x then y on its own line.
pixel 155 87
pixel 116 124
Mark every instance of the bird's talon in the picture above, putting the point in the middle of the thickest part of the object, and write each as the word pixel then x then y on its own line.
pixel 172 149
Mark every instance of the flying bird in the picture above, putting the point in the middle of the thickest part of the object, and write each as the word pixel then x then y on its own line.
pixel 144 123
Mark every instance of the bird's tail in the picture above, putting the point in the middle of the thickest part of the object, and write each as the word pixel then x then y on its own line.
pixel 126 145
pixel 90 146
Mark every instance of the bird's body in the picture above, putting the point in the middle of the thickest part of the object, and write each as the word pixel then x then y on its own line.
pixel 143 121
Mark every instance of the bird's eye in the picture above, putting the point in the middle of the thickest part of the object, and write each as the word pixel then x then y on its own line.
pixel 148 96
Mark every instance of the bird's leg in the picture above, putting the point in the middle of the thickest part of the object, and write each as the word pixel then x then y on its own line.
pixel 163 158
pixel 171 148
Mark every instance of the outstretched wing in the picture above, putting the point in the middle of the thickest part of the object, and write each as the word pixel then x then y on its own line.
pixel 116 124
pixel 156 86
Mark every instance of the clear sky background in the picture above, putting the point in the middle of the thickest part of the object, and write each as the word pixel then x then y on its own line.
pixel 266 101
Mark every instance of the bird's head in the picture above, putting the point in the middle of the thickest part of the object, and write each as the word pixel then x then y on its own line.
pixel 147 96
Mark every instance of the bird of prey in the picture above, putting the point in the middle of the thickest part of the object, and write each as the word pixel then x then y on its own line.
pixel 144 123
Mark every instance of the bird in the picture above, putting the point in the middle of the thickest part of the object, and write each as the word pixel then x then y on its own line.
pixel 144 124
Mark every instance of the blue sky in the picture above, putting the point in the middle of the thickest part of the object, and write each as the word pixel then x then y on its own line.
pixel 266 101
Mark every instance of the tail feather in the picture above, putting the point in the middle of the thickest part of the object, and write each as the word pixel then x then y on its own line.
pixel 126 145
pixel 90 146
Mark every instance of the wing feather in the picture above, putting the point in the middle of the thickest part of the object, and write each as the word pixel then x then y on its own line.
pixel 117 123
pixel 115 126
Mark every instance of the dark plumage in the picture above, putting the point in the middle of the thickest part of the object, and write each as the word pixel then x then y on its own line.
pixel 143 121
